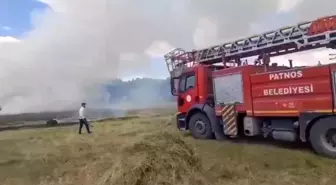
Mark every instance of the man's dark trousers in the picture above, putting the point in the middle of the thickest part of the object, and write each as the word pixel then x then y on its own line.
pixel 81 123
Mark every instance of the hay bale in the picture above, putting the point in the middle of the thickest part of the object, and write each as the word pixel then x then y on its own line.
pixel 52 122
pixel 160 159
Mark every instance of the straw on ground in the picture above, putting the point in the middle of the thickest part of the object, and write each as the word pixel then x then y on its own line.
pixel 149 151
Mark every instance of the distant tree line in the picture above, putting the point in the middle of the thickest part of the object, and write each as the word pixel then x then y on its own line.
pixel 137 93
pixel 144 91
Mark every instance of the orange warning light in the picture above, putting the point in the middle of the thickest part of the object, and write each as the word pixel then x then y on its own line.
pixel 322 25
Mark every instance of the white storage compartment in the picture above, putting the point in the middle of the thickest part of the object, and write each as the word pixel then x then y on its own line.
pixel 252 126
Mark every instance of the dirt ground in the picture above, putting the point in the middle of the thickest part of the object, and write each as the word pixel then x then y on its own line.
pixel 149 150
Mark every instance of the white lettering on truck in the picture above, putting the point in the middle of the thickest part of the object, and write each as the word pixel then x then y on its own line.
pixel 289 90
pixel 286 75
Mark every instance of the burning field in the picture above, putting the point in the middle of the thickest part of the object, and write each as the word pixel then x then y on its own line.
pixel 148 150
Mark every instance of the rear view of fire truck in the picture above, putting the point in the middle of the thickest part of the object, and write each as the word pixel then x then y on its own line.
pixel 220 95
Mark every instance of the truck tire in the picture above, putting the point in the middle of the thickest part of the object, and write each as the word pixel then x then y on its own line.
pixel 200 126
pixel 322 136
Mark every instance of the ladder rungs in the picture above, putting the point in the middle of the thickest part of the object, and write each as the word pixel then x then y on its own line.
pixel 301 37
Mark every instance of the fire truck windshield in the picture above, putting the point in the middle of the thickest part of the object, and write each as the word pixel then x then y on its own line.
pixel 228 89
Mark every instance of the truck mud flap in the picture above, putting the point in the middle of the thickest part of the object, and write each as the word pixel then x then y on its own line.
pixel 229 118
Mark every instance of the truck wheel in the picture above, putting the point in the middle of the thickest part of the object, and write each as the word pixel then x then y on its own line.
pixel 200 126
pixel 323 137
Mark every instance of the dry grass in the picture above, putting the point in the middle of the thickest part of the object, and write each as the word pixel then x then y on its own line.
pixel 149 151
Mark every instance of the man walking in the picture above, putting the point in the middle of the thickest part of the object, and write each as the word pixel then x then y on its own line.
pixel 82 119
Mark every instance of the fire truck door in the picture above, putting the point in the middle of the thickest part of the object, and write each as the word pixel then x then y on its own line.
pixel 187 92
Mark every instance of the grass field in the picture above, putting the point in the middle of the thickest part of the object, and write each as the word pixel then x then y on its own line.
pixel 149 150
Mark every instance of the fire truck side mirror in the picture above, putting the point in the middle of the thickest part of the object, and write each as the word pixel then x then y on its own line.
pixel 174 86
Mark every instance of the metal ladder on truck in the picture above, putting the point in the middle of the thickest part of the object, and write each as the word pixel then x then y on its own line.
pixel 300 37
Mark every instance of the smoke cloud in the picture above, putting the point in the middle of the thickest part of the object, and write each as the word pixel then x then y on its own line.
pixel 77 45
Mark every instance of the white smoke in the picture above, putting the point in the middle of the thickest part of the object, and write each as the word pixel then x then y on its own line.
pixel 80 44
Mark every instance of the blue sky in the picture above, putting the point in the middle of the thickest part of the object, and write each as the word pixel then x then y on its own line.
pixel 15 16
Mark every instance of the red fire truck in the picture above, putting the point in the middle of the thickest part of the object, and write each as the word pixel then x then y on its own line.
pixel 220 95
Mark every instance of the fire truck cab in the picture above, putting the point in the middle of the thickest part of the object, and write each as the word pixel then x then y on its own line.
pixel 295 104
